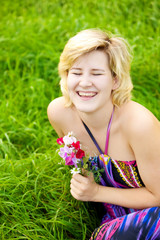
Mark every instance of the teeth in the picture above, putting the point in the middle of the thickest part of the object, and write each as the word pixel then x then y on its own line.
pixel 87 94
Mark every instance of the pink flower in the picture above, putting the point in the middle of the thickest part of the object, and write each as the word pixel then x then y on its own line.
pixel 76 161
pixel 64 152
pixel 70 150
pixel 70 159
pixel 60 141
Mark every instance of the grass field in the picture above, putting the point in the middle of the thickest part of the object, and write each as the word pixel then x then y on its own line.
pixel 35 202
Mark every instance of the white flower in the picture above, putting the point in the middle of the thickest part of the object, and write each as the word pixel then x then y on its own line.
pixel 70 134
pixel 69 140
pixel 75 170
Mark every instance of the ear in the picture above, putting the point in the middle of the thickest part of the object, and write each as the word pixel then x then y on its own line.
pixel 115 83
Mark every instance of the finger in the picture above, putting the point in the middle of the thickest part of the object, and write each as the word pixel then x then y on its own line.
pixel 74 195
pixel 75 183
pixel 79 178
pixel 75 190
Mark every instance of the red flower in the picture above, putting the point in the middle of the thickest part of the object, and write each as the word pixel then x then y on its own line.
pixel 76 145
pixel 60 141
pixel 80 154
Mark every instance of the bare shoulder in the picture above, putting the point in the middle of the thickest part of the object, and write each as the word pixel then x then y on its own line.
pixel 138 120
pixel 58 114
pixel 56 108
pixel 142 131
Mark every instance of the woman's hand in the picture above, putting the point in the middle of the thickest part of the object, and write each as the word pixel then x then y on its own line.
pixel 84 188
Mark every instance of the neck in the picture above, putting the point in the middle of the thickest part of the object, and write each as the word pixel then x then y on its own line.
pixel 99 119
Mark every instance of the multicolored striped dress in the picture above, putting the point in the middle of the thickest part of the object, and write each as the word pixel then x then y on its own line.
pixel 120 223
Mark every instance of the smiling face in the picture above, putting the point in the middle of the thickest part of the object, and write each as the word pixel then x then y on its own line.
pixel 90 82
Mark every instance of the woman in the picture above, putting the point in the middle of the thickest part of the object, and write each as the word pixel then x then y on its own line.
pixel 120 135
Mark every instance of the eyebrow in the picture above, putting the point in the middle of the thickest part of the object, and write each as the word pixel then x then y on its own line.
pixel 76 68
pixel 93 69
pixel 98 69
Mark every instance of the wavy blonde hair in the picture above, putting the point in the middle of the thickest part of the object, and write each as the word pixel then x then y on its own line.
pixel 117 50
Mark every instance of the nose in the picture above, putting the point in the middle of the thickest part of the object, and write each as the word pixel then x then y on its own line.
pixel 85 81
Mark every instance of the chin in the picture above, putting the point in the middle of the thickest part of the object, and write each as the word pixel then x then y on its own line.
pixel 86 109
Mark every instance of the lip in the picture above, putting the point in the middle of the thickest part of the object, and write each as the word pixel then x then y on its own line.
pixel 86 95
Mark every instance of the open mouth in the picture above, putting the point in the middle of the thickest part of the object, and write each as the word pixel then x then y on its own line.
pixel 87 94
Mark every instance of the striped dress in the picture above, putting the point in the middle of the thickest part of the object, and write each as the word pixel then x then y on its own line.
pixel 120 223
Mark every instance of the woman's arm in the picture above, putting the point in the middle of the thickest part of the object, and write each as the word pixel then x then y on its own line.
pixel 55 112
pixel 85 189
pixel 144 138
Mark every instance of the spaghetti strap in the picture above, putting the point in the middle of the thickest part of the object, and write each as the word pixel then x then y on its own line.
pixel 108 133
pixel 92 137
pixel 107 136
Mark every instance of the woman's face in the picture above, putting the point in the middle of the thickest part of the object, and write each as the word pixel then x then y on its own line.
pixel 90 82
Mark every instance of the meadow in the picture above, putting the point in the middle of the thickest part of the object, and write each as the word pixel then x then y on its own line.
pixel 35 202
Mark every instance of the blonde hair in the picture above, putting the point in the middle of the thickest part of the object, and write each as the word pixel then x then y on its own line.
pixel 119 61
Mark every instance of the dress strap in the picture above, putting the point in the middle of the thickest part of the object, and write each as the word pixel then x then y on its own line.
pixel 108 133
pixel 107 136
pixel 92 137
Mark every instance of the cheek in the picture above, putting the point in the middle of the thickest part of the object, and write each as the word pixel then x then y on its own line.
pixel 107 82
pixel 71 83
pixel 102 83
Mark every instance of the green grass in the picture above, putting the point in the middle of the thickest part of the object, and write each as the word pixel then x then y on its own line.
pixel 35 202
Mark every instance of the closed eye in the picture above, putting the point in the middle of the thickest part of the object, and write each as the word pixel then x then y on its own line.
pixel 97 74
pixel 75 73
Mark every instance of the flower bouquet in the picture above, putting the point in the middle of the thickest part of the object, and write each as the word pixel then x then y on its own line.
pixel 72 154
